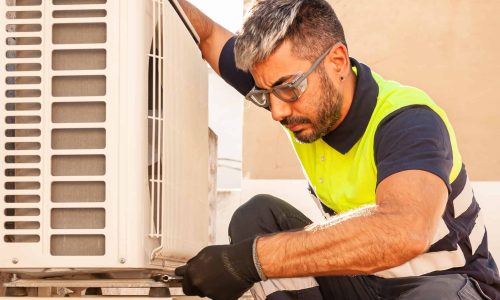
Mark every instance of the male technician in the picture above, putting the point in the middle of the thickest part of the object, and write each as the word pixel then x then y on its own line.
pixel 381 157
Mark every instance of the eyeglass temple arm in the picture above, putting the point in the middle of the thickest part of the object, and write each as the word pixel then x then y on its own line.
pixel 318 61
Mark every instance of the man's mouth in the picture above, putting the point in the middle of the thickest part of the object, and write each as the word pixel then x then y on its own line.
pixel 296 124
pixel 295 127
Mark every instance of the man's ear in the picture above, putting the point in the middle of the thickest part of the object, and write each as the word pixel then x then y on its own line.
pixel 339 56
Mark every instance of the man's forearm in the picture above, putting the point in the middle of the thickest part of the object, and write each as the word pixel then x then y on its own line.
pixel 401 226
pixel 346 244
pixel 201 23
pixel 213 37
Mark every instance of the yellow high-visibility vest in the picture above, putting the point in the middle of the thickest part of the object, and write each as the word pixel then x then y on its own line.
pixel 347 181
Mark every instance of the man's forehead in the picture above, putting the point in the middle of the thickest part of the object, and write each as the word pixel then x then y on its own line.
pixel 282 63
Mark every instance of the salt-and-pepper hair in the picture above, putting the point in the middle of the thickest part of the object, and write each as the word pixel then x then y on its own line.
pixel 311 25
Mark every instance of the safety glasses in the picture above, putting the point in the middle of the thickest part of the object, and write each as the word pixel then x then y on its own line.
pixel 288 91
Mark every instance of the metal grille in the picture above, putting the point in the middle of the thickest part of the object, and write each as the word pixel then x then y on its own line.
pixel 21 123
pixel 78 127
pixel 53 118
pixel 155 120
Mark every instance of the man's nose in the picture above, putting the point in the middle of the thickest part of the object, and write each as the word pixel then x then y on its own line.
pixel 280 109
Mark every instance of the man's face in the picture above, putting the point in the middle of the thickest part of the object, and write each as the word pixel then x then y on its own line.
pixel 317 111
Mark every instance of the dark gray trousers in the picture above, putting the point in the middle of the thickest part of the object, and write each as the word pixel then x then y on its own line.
pixel 264 214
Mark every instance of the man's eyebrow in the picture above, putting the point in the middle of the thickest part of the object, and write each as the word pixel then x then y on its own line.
pixel 281 80
pixel 277 82
pixel 259 88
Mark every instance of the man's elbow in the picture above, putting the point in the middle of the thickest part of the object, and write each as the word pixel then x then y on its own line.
pixel 415 246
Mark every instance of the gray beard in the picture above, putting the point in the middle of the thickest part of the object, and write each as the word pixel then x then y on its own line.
pixel 328 111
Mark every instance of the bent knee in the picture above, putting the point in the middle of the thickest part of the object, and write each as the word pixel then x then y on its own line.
pixel 252 218
pixel 264 214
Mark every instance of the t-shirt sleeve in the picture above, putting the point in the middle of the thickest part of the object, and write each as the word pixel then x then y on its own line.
pixel 413 138
pixel 242 81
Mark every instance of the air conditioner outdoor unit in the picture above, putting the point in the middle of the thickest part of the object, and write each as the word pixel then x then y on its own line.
pixel 104 152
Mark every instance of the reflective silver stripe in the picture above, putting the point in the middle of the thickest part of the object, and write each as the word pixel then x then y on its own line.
pixel 477 234
pixel 464 200
pixel 426 263
pixel 262 289
pixel 441 232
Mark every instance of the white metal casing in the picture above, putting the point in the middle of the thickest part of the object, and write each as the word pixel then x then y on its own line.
pixel 100 157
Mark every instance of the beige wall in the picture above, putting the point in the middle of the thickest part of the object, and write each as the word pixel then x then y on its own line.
pixel 448 48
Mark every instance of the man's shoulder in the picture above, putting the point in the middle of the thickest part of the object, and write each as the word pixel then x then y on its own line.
pixel 409 116
pixel 242 81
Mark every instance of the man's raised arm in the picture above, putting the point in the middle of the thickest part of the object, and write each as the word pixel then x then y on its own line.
pixel 213 37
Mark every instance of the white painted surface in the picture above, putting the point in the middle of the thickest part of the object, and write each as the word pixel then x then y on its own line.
pixel 228 13
pixel 226 120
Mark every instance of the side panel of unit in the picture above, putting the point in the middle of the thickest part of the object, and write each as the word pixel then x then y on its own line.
pixel 185 211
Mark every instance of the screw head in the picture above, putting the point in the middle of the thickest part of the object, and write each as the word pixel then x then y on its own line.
pixel 123 260
pixel 15 260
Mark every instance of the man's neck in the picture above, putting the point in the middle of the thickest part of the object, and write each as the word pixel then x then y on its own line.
pixel 347 89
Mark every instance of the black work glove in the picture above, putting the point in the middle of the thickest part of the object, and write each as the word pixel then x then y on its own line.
pixel 222 272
